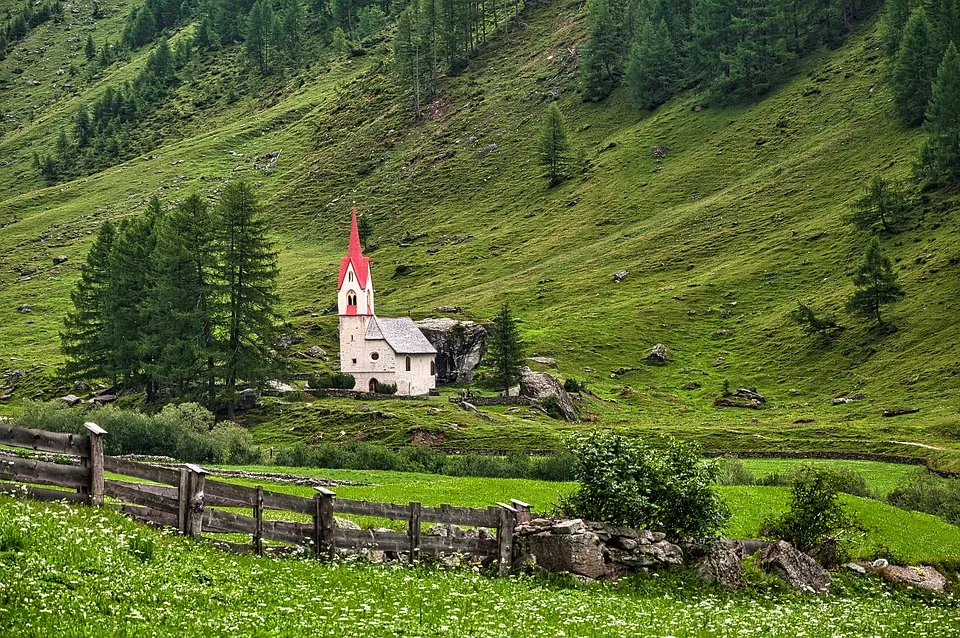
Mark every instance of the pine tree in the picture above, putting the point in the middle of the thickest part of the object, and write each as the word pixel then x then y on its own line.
pixel 881 203
pixel 90 50
pixel 293 23
pixel 897 16
pixel 601 64
pixel 757 60
pixel 876 284
pixel 82 128
pixel 712 39
pixel 914 69
pixel 259 33
pixel 506 349
pixel 554 144
pixel 188 294
pixel 85 338
pixel 940 156
pixel 249 271
pixel 653 69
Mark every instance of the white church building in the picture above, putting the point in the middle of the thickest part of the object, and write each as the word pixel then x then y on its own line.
pixel 377 349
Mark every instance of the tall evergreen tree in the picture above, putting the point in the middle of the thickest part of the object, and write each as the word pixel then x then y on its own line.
pixel 712 39
pixel 876 284
pixel 654 68
pixel 757 60
pixel 505 349
pixel 293 25
pixel 259 35
pixel 90 50
pixel 898 13
pixel 940 156
pixel 914 69
pixel 249 271
pixel 85 339
pixel 601 57
pixel 188 294
pixel 554 144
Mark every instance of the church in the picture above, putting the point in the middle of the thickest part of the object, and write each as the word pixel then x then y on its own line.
pixel 378 349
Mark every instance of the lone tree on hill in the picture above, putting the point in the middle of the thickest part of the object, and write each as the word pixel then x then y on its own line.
pixel 940 157
pixel 554 144
pixel 90 50
pixel 883 203
pixel 506 349
pixel 876 284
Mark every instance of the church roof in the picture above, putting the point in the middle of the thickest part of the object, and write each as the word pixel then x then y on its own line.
pixel 361 264
pixel 403 336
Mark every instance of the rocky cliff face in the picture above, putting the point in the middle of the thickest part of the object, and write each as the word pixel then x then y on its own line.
pixel 460 346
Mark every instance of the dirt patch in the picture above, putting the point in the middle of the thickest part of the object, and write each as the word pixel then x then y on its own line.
pixel 428 438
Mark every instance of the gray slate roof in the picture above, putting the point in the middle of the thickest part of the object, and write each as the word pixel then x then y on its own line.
pixel 401 334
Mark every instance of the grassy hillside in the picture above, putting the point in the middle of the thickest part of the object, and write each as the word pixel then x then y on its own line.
pixel 742 218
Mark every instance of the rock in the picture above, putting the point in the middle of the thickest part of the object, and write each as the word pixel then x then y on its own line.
pixel 449 309
pixel 489 148
pixel 71 400
pixel 460 346
pixel 880 563
pixel 574 526
pixel 284 341
pixel 13 377
pixel 540 385
pixel 544 361
pixel 247 399
pixel 662 552
pixel 625 543
pixel 657 354
pixel 752 395
pixel 924 577
pixel 278 388
pixel 900 411
pixel 796 568
pixel 103 399
pixel 24 308
pixel 580 554
pixel 315 352
pixel 342 523
pixel 534 526
pixel 724 565
pixel 856 569
pixel 619 276
pixel 80 386
pixel 60 259
pixel 691 385
pixel 842 400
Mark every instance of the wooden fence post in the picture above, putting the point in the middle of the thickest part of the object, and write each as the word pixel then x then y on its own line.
pixel 258 517
pixel 194 515
pixel 183 499
pixel 414 531
pixel 508 521
pixel 324 541
pixel 524 514
pixel 96 462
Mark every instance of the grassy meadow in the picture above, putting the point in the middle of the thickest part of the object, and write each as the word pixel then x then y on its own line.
pixel 78 571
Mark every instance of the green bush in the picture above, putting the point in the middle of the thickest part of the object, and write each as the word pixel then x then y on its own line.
pixel 816 514
pixel 384 388
pixel 625 481
pixel 335 381
pixel 551 405
pixel 926 492
pixel 844 479
pixel 731 471
pixel 574 385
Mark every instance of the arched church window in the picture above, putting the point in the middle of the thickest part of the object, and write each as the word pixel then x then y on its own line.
pixel 408 364
pixel 351 298
pixel 433 368
pixel 350 276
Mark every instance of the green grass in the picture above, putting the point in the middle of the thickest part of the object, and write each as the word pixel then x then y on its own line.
pixel 743 218
pixel 83 572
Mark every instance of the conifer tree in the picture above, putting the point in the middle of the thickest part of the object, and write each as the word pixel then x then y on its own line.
pixel 293 21
pixel 249 271
pixel 601 57
pixel 876 284
pixel 259 33
pixel 408 54
pixel 914 69
pixel 188 293
pixel 90 50
pixel 758 58
pixel 85 339
pixel 364 229
pixel 940 156
pixel 506 349
pixel 712 39
pixel 554 144
pixel 82 128
pixel 881 203
pixel 898 13
pixel 653 69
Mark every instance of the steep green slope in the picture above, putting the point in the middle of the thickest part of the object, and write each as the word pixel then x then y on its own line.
pixel 721 238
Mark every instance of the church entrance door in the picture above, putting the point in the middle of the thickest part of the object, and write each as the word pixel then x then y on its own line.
pixel 373 385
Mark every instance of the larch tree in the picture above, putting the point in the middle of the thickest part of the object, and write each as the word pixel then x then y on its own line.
pixel 876 284
pixel 602 53
pixel 90 50
pixel 554 144
pixel 882 203
pixel 248 261
pixel 653 68
pixel 940 156
pixel 914 69
pixel 505 349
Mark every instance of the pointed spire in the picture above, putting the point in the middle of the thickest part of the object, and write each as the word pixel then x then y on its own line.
pixel 361 264
pixel 355 250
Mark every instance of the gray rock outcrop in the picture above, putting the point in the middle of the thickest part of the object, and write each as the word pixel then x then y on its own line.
pixel 924 577
pixel 540 385
pixel 460 346
pixel 796 568
pixel 657 354
pixel 724 565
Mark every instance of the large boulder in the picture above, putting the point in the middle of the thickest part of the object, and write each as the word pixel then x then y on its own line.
pixel 723 565
pixel 460 346
pixel 580 553
pixel 799 570
pixel 924 577
pixel 540 385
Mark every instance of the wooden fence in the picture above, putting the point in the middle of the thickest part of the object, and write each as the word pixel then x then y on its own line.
pixel 185 498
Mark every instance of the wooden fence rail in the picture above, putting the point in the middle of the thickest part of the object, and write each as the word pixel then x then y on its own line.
pixel 187 500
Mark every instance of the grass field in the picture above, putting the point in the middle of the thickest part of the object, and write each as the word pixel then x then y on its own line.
pixel 83 572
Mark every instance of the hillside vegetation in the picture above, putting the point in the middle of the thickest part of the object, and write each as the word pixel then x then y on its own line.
pixel 739 218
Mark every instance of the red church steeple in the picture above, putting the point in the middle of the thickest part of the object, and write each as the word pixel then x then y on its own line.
pixel 361 264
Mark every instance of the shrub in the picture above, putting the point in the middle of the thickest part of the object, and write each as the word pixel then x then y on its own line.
pixel 926 492
pixel 815 513
pixel 551 405
pixel 335 381
pixel 629 482
pixel 384 388
pixel 731 471
pixel 844 479
pixel 574 385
